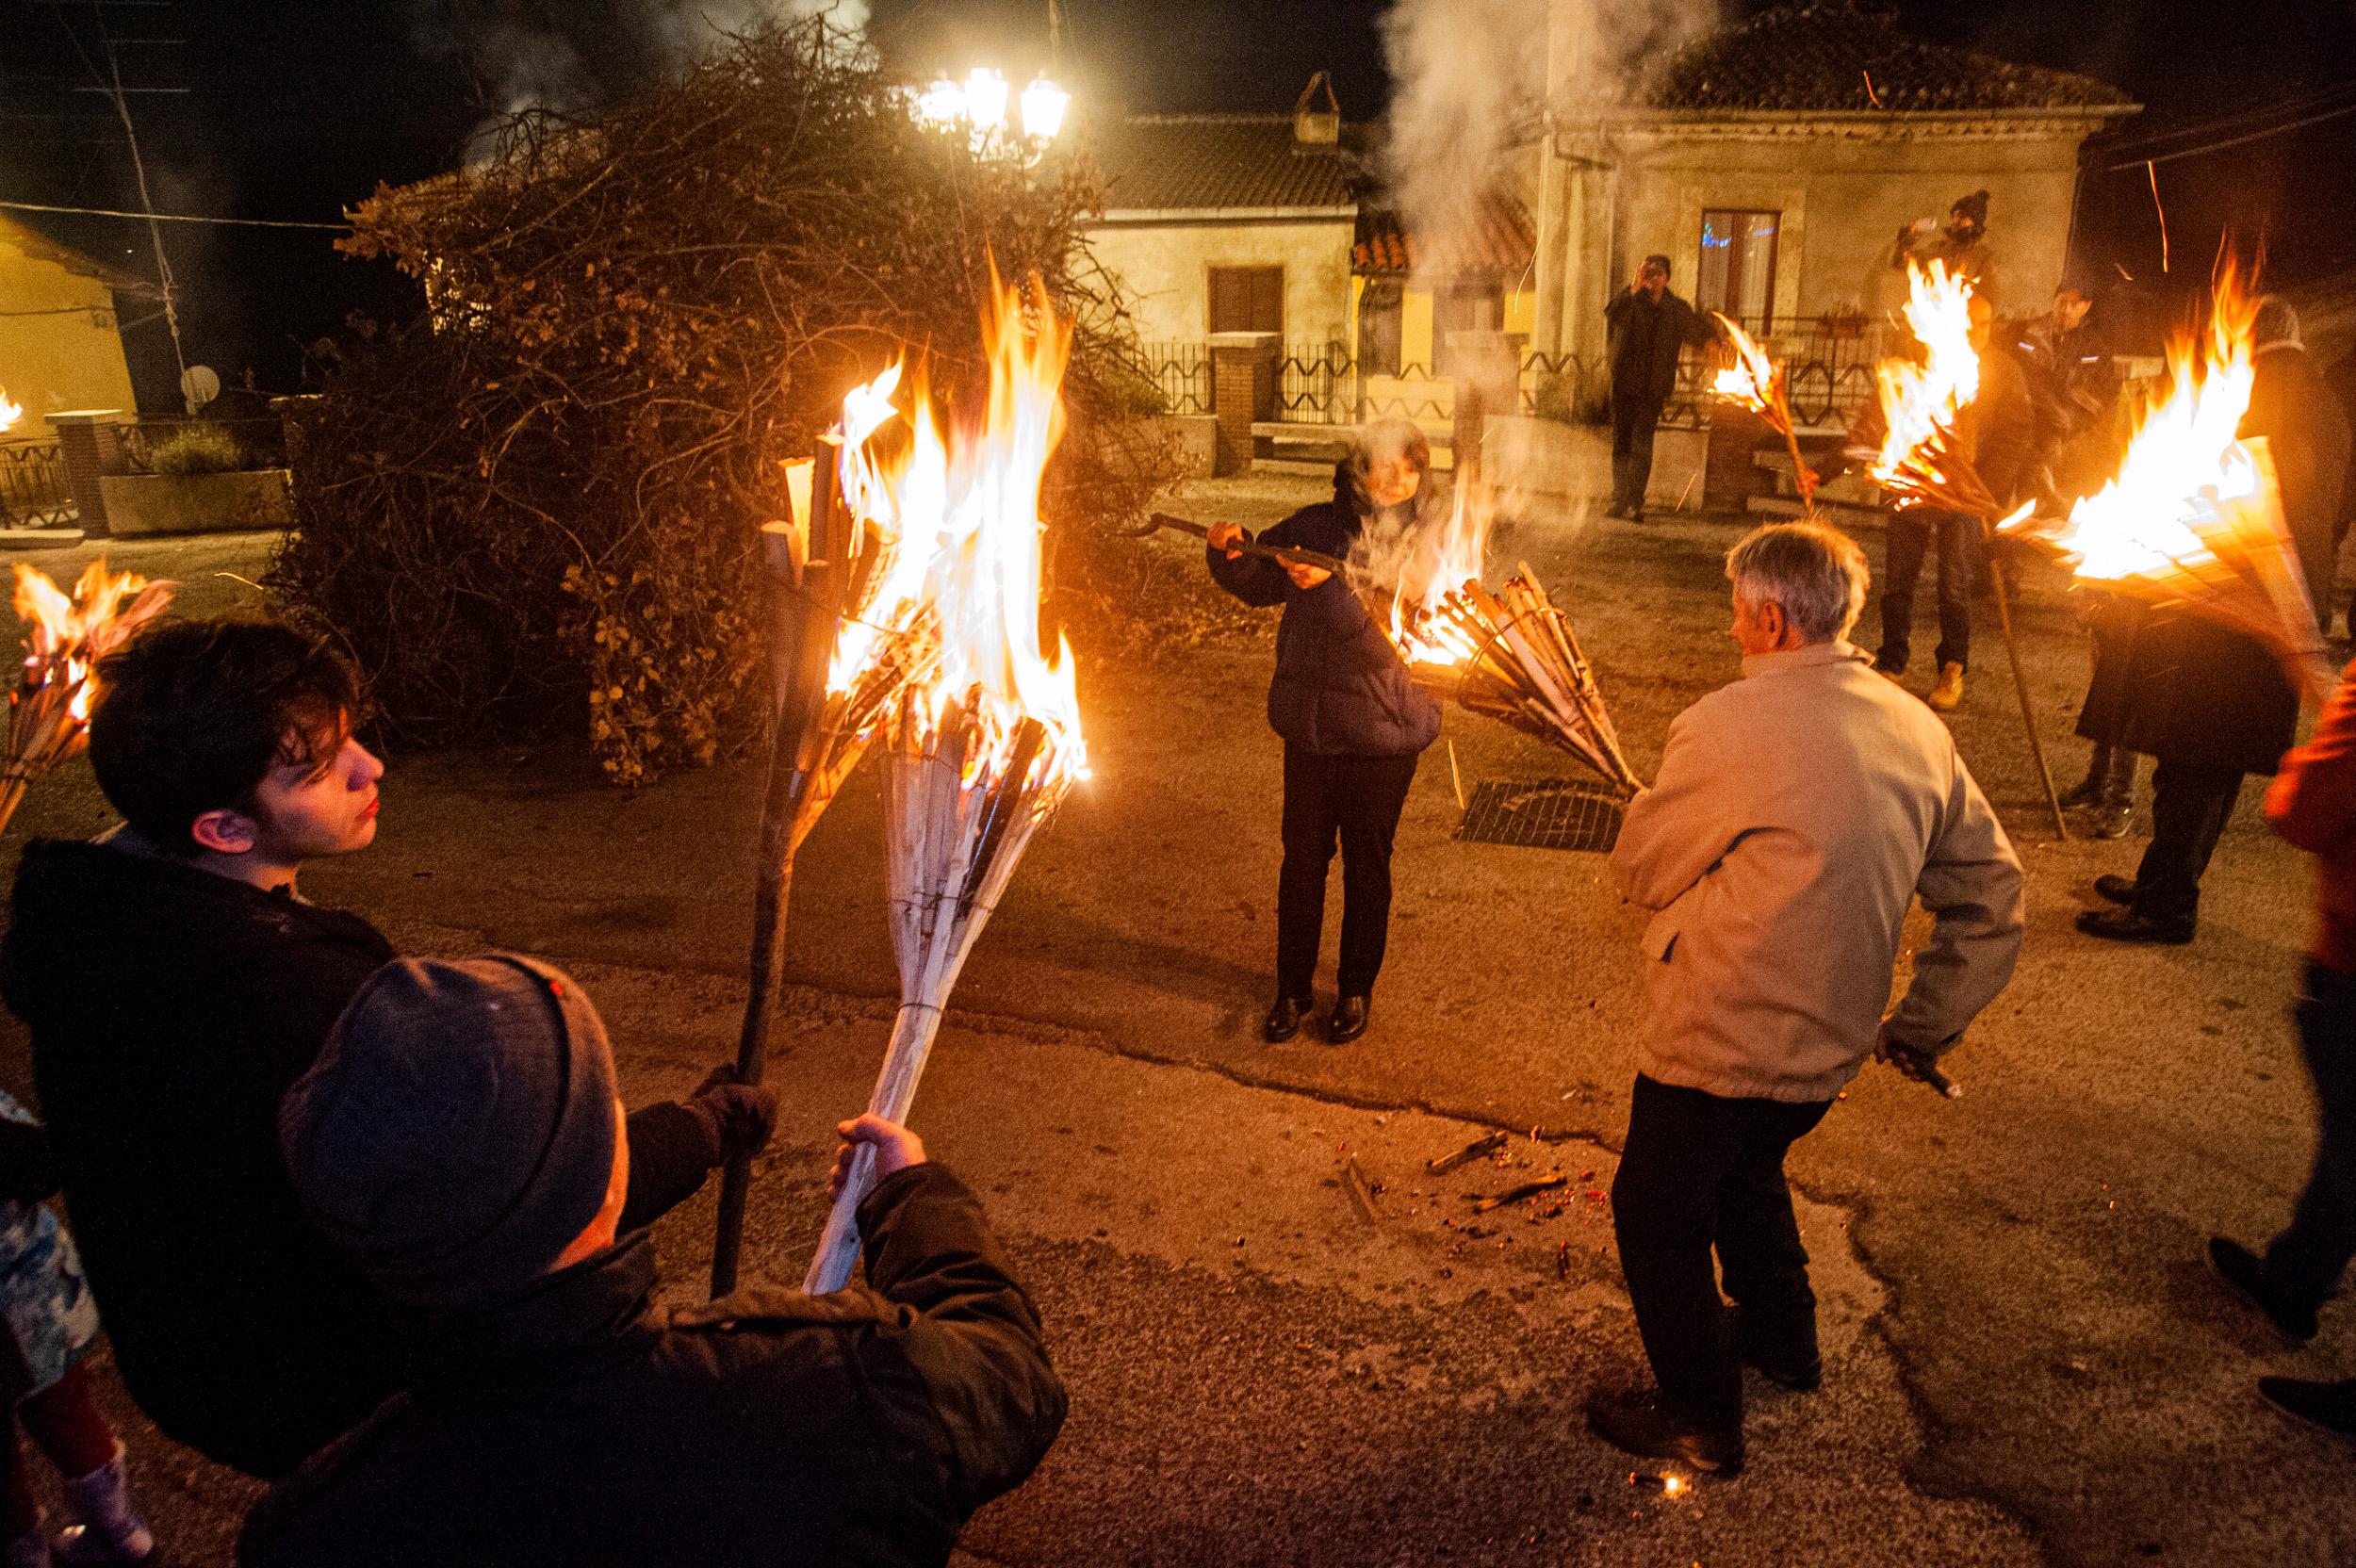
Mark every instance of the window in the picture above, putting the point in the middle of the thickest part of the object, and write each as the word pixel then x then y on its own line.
pixel 1738 265
pixel 1379 327
pixel 1463 307
pixel 1248 299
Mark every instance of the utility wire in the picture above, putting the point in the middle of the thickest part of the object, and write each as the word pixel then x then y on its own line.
pixel 2227 124
pixel 172 217
pixel 2235 142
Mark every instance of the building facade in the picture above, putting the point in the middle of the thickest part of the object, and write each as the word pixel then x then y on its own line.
pixel 60 347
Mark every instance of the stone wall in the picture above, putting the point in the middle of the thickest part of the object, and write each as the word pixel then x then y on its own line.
pixel 1164 269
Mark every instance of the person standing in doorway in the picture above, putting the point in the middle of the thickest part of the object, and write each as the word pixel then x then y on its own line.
pixel 1646 328
pixel 1352 721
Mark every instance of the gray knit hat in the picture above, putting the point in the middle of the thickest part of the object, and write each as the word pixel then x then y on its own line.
pixel 457 1131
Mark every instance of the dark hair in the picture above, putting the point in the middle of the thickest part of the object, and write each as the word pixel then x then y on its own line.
pixel 1656 261
pixel 192 716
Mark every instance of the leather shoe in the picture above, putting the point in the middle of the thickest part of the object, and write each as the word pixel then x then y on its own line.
pixel 1790 1361
pixel 2331 1406
pixel 2244 1273
pixel 2102 819
pixel 1947 696
pixel 1348 1020
pixel 1283 1019
pixel 2134 925
pixel 2119 890
pixel 1640 1423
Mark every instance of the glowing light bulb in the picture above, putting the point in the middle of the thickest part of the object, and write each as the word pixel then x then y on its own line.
pixel 1043 106
pixel 942 104
pixel 986 93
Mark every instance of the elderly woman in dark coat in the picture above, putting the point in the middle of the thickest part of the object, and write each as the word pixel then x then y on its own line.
pixel 1351 721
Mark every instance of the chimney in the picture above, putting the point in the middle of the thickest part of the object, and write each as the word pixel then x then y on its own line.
pixel 1312 126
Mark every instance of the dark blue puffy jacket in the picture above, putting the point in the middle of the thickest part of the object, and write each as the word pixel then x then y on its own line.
pixel 1339 687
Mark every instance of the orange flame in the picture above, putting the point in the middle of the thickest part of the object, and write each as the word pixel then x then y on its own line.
pixel 1753 381
pixel 1919 401
pixel 9 412
pixel 65 637
pixel 960 506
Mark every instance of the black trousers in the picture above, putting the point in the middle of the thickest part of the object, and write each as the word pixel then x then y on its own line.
pixel 1702 1173
pixel 1634 422
pixel 2305 1262
pixel 1357 801
pixel 1911 534
pixel 2190 806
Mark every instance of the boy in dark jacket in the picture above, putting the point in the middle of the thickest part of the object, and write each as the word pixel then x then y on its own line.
pixel 175 985
pixel 459 1140
pixel 1353 722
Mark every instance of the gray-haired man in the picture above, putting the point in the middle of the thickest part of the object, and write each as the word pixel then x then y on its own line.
pixel 1798 815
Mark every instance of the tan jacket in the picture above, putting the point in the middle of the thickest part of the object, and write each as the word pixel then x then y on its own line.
pixel 1798 814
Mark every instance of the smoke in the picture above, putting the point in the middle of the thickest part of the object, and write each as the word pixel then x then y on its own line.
pixel 564 54
pixel 1470 82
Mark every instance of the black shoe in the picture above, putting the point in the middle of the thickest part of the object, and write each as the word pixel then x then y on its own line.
pixel 2089 790
pixel 2331 1406
pixel 1788 1359
pixel 2134 925
pixel 2119 890
pixel 1638 1423
pixel 2246 1272
pixel 2104 820
pixel 1283 1019
pixel 1348 1020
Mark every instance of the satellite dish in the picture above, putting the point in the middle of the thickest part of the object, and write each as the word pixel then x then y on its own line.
pixel 198 386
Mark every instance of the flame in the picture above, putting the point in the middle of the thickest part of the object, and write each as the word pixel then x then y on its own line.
pixel 1428 566
pixel 1919 401
pixel 2185 471
pixel 959 507
pixel 9 412
pixel 1753 381
pixel 65 637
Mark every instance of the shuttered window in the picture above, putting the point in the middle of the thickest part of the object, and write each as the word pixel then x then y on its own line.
pixel 1248 299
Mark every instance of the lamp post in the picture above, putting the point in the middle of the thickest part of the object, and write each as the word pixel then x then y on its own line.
pixel 993 118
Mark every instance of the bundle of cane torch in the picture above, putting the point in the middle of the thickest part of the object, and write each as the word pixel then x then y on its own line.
pixel 65 637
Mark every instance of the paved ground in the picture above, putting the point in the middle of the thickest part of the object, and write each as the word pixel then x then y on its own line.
pixel 2026 1363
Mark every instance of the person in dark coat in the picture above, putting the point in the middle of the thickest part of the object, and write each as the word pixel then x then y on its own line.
pixel 1961 243
pixel 1646 329
pixel 175 982
pixel 561 1417
pixel 1997 432
pixel 2212 706
pixel 1351 721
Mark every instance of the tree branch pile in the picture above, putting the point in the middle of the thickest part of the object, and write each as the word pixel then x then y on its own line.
pixel 538 506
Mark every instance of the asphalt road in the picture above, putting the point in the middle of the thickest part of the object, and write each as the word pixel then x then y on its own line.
pixel 2026 1362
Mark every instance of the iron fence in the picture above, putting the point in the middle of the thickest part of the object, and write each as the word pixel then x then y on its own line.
pixel 33 491
pixel 1183 371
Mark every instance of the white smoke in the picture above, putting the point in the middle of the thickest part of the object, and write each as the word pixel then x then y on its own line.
pixel 526 54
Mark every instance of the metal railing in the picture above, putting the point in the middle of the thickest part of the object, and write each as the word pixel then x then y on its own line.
pixel 33 491
pixel 1183 371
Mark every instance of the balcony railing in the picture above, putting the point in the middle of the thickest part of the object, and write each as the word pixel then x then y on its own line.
pixel 33 488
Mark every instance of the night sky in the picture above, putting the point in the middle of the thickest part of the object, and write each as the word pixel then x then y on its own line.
pixel 295 108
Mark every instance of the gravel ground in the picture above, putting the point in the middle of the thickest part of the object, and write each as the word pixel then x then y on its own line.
pixel 2026 1362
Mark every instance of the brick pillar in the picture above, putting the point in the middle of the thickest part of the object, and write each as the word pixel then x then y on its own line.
pixel 87 441
pixel 1243 383
pixel 1488 380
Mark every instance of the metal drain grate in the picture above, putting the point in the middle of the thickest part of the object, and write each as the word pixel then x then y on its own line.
pixel 1548 813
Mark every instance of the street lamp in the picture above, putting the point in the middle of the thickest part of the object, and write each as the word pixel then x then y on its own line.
pixel 980 106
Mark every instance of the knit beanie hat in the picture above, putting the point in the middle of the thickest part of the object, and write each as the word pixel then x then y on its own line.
pixel 457 1131
pixel 2276 321
pixel 1975 206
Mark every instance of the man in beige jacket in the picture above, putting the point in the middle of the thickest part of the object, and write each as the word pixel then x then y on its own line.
pixel 1798 814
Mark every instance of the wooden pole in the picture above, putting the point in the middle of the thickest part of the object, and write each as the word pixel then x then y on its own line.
pixel 802 623
pixel 2020 684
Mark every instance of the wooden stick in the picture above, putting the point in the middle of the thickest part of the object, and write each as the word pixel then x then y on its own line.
pixel 2020 684
pixel 1285 553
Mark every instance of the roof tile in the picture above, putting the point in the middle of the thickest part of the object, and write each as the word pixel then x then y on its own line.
pixel 1211 161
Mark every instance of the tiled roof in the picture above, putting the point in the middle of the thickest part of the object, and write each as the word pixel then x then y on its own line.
pixel 1501 239
pixel 1821 56
pixel 1221 161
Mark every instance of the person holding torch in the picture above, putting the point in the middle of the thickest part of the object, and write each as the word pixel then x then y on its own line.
pixel 1352 721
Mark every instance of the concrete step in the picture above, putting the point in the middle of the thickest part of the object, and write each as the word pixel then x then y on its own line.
pixel 39 538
